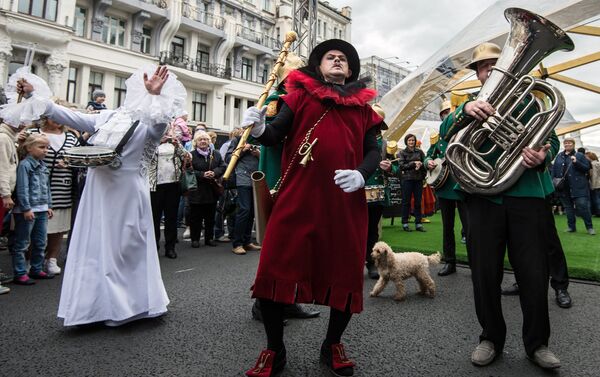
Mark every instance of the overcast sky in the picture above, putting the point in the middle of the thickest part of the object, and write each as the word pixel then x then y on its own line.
pixel 414 30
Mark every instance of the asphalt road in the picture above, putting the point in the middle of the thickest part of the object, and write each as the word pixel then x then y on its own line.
pixel 209 331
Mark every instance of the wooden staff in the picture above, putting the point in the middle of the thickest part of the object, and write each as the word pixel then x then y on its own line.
pixel 289 39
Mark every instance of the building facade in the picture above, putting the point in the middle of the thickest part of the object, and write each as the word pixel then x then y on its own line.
pixel 222 50
pixel 385 75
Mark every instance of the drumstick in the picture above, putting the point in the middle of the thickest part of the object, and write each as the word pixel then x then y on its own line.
pixel 394 160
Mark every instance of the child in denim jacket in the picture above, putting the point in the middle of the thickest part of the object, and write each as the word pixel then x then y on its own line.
pixel 34 207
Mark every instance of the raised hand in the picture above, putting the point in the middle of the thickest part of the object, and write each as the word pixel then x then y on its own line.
pixel 155 83
pixel 24 88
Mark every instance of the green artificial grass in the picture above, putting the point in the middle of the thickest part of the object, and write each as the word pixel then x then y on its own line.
pixel 581 250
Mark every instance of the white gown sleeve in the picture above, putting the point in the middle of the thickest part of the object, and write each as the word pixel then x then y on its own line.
pixel 79 121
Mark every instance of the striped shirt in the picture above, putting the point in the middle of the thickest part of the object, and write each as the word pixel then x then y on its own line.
pixel 61 179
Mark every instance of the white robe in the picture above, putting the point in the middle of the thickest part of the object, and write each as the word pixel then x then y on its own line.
pixel 112 272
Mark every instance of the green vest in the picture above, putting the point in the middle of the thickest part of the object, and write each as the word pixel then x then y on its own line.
pixel 270 157
pixel 534 183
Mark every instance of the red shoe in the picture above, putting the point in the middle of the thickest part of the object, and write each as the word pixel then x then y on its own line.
pixel 42 275
pixel 336 360
pixel 268 364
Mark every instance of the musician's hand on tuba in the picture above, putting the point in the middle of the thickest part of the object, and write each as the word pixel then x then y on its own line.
pixel 479 110
pixel 431 164
pixel 533 158
pixel 256 118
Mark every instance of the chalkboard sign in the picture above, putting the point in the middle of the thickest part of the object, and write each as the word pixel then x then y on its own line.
pixel 395 208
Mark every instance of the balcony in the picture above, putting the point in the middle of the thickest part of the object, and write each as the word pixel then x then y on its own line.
pixel 216 70
pixel 208 19
pixel 258 38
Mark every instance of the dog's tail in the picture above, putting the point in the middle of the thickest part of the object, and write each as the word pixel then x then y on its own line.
pixel 434 258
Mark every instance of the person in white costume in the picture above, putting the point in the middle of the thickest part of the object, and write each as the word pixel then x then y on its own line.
pixel 112 274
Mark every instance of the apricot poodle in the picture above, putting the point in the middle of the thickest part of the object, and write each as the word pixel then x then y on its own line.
pixel 398 267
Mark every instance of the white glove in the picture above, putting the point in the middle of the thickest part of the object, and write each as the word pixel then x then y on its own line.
pixel 255 117
pixel 349 180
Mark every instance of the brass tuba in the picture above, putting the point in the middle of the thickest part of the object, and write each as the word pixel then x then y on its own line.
pixel 509 85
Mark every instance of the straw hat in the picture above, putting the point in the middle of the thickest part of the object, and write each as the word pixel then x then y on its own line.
pixel 379 110
pixel 391 147
pixel 292 62
pixel 484 51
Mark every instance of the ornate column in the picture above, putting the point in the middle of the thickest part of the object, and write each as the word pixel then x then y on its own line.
pixel 237 60
pixel 138 29
pixel 56 64
pixel 5 54
pixel 100 7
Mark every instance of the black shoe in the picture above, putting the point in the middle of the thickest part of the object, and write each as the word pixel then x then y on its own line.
pixel 256 314
pixel 372 272
pixel 420 229
pixel 448 269
pixel 210 243
pixel 195 244
pixel 513 290
pixel 563 299
pixel 297 311
pixel 406 228
pixel 171 254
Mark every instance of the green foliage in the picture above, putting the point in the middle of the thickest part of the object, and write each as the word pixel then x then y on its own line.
pixel 581 250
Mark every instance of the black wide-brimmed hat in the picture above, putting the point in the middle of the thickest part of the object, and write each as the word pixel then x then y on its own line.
pixel 335 44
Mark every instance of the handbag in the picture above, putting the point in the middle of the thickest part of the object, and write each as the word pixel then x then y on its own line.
pixel 559 182
pixel 217 187
pixel 188 181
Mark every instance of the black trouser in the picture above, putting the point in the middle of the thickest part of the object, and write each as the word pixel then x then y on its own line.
pixel 202 214
pixel 166 200
pixel 559 275
pixel 521 226
pixel 375 212
pixel 447 207
pixel 411 187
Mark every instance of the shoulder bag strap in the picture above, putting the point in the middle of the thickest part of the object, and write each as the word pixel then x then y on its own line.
pixel 126 137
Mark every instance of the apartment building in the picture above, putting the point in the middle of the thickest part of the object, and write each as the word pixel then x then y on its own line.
pixel 222 51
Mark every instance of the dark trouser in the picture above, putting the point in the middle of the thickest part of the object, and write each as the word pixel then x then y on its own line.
pixel 244 217
pixel 559 276
pixel 410 188
pixel 447 206
pixel 272 313
pixel 166 200
pixel 595 201
pixel 375 212
pixel 202 214
pixel 521 226
pixel 577 206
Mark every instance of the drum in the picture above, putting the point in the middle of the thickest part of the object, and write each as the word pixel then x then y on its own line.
pixel 84 157
pixel 437 177
pixel 375 193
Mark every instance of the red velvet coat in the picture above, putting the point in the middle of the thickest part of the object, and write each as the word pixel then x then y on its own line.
pixel 314 246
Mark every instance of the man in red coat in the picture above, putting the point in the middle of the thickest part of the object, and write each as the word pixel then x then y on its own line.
pixel 313 251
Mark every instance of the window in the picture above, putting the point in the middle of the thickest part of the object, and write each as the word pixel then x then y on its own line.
pixel 113 31
pixel 96 79
pixel 202 57
pixel 267 5
pixel 250 104
pixel 39 8
pixel 199 107
pixel 278 33
pixel 79 22
pixel 319 28
pixel 246 69
pixel 340 34
pixel 120 90
pixel 335 33
pixel 146 39
pixel 324 30
pixel 72 85
pixel 177 48
pixel 265 75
